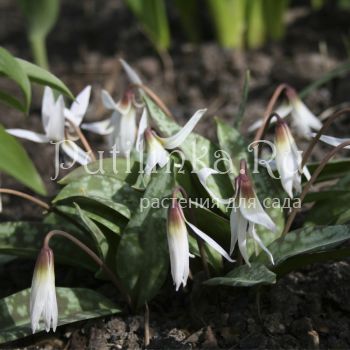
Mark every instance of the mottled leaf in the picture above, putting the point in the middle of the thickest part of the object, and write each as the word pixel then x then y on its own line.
pixel 106 190
pixel 123 169
pixel 24 239
pixel 245 276
pixel 74 304
pixel 142 257
pixel 307 240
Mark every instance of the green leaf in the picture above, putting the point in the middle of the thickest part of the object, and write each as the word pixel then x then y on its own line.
pixel 11 101
pixel 15 162
pixel 245 276
pixel 212 224
pixel 106 190
pixel 153 17
pixel 25 239
pixel 41 15
pixel 10 68
pixel 41 76
pixel 96 234
pixel 229 20
pixel 143 257
pixel 308 240
pixel 74 304
pixel 123 169
pixel 274 16
pixel 256 26
pixel 244 98
pixel 106 242
pixel 232 142
pixel 188 11
pixel 332 170
pixel 100 214
pixel 197 149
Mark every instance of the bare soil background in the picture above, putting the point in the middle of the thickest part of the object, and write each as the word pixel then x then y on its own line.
pixel 308 309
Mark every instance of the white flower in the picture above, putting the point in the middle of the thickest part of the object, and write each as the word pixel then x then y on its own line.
pixel 333 141
pixel 78 109
pixel 288 159
pixel 121 126
pixel 246 212
pixel 303 120
pixel 53 120
pixel 177 235
pixel 157 146
pixel 43 301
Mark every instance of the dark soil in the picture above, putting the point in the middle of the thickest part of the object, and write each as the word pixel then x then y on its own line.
pixel 308 309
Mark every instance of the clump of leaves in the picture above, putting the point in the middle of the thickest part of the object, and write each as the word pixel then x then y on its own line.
pixel 165 194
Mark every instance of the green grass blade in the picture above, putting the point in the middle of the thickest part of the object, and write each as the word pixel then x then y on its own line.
pixel 229 18
pixel 153 17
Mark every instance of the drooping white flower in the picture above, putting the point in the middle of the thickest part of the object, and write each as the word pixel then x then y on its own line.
pixel 288 159
pixel 303 120
pixel 53 120
pixel 246 212
pixel 43 303
pixel 177 235
pixel 333 141
pixel 121 126
pixel 157 146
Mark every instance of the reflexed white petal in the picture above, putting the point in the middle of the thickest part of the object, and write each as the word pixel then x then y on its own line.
pixel 179 254
pixel 210 241
pixel 47 107
pixel 103 127
pixel 306 173
pixel 242 227
pixel 75 152
pixel 177 139
pixel 254 235
pixel 107 100
pixel 303 119
pixel 203 174
pixel 124 133
pixel 254 212
pixel 80 105
pixel 55 127
pixel 283 111
pixel 140 133
pixel 28 135
pixel 333 141
pixel 156 156
pixel 130 72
